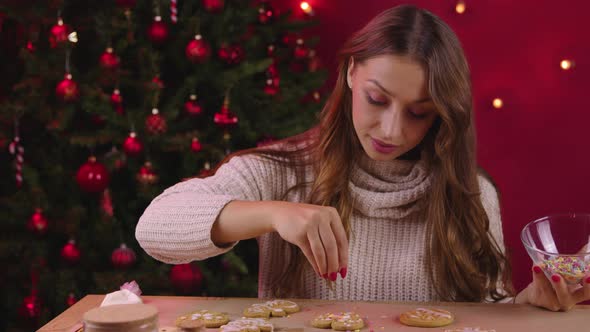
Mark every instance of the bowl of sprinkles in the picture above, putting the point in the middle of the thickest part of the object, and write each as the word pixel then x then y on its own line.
pixel 560 244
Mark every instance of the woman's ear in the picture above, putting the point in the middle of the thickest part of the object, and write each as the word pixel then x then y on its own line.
pixel 349 72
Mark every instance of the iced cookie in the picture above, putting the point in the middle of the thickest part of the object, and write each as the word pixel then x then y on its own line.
pixel 347 321
pixel 209 318
pixel 248 325
pixel 343 321
pixel 422 317
pixel 323 321
pixel 276 308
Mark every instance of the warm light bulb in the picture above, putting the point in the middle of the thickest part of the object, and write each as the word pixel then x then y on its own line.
pixel 566 64
pixel 460 7
pixel 306 7
pixel 498 103
pixel 73 37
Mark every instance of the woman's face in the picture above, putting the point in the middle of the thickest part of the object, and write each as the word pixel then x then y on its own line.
pixel 391 107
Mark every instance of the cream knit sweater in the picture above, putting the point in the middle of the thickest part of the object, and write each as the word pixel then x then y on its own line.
pixel 386 247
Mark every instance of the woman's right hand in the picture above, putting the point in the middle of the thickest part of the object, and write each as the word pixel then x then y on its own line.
pixel 317 231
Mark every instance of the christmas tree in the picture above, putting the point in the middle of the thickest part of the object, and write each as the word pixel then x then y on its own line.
pixel 106 104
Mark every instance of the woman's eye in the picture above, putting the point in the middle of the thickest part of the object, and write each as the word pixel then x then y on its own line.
pixel 417 113
pixel 375 101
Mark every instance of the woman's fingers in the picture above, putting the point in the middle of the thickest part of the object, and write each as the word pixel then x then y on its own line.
pixel 341 241
pixel 583 293
pixel 306 249
pixel 317 248
pixel 543 293
pixel 561 291
pixel 330 248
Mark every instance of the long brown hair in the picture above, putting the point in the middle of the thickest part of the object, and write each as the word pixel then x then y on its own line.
pixel 465 262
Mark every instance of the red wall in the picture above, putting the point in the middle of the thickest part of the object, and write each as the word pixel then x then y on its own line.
pixel 536 146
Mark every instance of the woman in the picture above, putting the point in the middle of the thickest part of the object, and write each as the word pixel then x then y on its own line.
pixel 384 191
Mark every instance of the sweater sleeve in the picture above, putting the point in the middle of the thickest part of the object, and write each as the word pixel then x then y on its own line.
pixel 491 204
pixel 176 227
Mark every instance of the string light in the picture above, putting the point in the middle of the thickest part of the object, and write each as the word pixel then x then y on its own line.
pixel 306 7
pixel 460 7
pixel 497 103
pixel 73 37
pixel 566 64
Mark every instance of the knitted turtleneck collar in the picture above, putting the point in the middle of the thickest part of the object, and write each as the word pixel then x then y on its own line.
pixel 389 189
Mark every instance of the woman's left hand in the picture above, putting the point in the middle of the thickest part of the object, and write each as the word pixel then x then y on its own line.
pixel 554 293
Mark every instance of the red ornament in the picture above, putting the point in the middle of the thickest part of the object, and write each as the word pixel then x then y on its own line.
pixel 266 14
pixel 301 51
pixel 186 278
pixel 71 300
pixel 31 47
pixel 314 63
pixel 117 101
pixel 224 118
pixel 123 257
pixel 158 82
pixel 67 90
pixel 206 171
pixel 272 70
pixel 38 224
pixel 92 177
pixel 198 50
pixel 158 31
pixel 196 145
pixel 192 107
pixel 126 4
pixel 132 145
pixel 109 60
pixel 289 39
pixel 272 86
pixel 155 124
pixel 70 252
pixel 213 6
pixel 59 33
pixel 231 54
pixel 146 175
pixel 30 309
pixel 270 50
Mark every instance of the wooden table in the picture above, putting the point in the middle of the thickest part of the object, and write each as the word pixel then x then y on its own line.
pixel 379 316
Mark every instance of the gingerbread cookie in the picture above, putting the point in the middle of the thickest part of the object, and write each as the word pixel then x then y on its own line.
pixel 248 325
pixel 209 318
pixel 275 308
pixel 422 317
pixel 344 321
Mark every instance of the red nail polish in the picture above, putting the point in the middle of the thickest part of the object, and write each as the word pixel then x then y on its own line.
pixel 537 269
pixel 325 276
pixel 555 278
pixel 333 276
pixel 588 280
pixel 343 272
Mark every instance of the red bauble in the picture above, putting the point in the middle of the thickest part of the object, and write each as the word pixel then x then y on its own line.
pixel 206 171
pixel 123 257
pixel 196 145
pixel 67 90
pixel 301 51
pixel 38 224
pixel 30 309
pixel 289 39
pixel 197 50
pixel 31 47
pixel 214 6
pixel 272 70
pixel 231 54
pixel 132 145
pixel 272 86
pixel 266 14
pixel 117 101
pixel 146 175
pixel 92 177
pixel 109 60
pixel 270 50
pixel 224 118
pixel 59 33
pixel 158 82
pixel 192 107
pixel 155 124
pixel 71 300
pixel 70 252
pixel 158 31
pixel 126 3
pixel 314 63
pixel 186 278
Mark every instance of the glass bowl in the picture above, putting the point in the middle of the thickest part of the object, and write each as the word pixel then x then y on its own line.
pixel 559 244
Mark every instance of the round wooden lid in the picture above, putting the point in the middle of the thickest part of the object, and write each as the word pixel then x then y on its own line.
pixel 121 315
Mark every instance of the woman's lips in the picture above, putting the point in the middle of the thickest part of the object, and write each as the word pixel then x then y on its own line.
pixel 381 147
